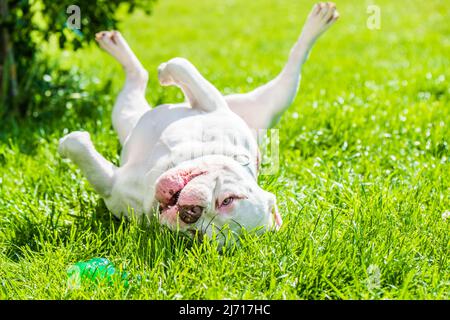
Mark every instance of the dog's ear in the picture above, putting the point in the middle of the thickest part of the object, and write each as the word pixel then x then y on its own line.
pixel 274 211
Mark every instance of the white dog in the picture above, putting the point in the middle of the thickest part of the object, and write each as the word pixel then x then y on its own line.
pixel 196 161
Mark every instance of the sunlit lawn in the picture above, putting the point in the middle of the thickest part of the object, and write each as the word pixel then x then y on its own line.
pixel 364 181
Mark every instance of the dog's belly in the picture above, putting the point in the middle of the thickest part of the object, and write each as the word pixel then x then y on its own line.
pixel 169 135
pixel 176 133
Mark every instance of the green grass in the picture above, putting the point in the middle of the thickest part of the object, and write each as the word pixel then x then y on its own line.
pixel 365 161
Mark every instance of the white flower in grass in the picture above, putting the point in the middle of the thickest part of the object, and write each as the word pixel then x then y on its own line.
pixel 373 280
pixel 446 215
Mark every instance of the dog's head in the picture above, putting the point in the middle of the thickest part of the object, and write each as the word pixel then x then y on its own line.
pixel 209 194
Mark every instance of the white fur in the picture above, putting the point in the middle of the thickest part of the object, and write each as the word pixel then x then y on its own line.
pixel 209 131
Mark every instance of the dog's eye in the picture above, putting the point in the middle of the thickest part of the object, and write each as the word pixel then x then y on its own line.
pixel 227 201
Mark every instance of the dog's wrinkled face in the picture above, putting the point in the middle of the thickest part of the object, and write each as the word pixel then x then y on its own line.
pixel 211 194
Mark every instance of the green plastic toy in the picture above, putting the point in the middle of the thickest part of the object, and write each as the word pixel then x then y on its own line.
pixel 95 270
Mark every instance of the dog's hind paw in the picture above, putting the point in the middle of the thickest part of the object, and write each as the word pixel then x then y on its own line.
pixel 167 70
pixel 113 43
pixel 164 76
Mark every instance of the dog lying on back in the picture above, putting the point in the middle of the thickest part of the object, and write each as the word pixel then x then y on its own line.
pixel 195 163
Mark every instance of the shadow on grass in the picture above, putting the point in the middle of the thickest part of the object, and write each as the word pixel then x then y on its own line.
pixel 98 226
pixel 57 99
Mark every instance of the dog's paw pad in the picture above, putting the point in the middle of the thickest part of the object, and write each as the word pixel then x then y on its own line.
pixel 322 16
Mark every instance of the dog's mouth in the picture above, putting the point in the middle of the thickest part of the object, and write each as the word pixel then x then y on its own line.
pixel 173 201
pixel 170 186
pixel 171 205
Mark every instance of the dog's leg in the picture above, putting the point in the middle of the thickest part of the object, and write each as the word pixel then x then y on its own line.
pixel 262 107
pixel 198 91
pixel 78 147
pixel 130 104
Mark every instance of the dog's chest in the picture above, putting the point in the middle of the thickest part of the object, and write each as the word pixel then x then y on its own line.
pixel 211 134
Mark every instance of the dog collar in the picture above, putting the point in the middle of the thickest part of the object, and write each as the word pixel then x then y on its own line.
pixel 245 161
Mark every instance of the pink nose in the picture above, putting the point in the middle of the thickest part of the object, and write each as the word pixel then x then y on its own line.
pixel 190 214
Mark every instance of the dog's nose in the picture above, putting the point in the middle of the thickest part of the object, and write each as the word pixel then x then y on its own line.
pixel 190 214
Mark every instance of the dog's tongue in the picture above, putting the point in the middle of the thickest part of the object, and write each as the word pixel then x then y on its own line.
pixel 170 212
pixel 169 216
pixel 172 182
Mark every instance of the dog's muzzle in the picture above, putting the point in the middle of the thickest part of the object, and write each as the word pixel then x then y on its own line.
pixel 190 214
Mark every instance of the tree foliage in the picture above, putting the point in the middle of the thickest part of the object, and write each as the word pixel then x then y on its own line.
pixel 26 24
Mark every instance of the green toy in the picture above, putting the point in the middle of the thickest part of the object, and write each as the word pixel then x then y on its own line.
pixel 95 270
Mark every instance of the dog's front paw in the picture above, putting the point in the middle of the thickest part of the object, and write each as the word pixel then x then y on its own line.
pixel 74 143
pixel 322 16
